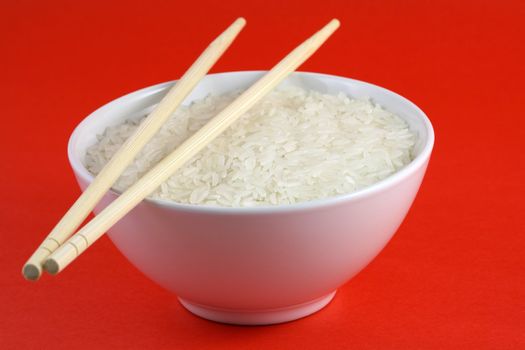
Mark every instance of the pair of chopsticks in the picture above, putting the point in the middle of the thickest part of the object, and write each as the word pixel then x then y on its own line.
pixel 55 253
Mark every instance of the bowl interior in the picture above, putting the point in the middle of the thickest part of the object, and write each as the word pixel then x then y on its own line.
pixel 141 102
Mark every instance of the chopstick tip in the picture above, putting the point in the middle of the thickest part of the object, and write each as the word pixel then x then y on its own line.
pixel 51 266
pixel 335 23
pixel 241 21
pixel 31 272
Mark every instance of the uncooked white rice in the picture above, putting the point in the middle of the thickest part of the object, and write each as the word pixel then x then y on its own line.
pixel 295 145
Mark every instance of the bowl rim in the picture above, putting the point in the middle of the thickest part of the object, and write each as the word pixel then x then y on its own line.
pixel 388 182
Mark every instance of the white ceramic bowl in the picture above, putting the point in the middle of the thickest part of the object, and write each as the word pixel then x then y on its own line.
pixel 267 264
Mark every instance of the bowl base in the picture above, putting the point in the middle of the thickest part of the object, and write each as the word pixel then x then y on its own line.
pixel 259 317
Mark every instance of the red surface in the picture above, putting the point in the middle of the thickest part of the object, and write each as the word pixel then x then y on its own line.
pixel 453 275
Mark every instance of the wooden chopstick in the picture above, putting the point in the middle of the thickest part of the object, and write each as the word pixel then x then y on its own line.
pixel 32 270
pixel 77 244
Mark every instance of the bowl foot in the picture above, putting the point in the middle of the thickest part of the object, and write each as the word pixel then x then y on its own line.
pixel 258 317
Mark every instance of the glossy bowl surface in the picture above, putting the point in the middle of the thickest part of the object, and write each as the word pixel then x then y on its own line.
pixel 259 265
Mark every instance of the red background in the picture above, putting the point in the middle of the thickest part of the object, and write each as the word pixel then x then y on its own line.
pixel 453 275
